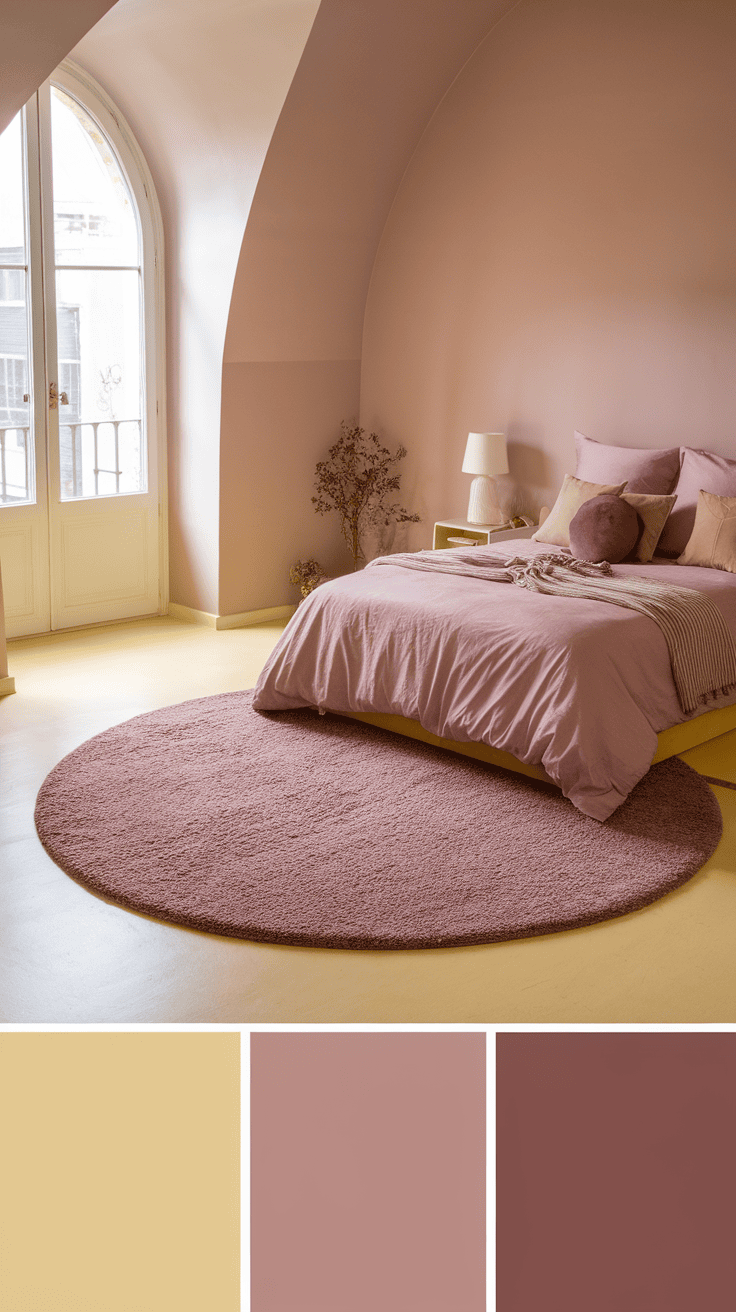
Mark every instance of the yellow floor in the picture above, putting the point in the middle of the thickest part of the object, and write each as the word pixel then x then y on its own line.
pixel 67 956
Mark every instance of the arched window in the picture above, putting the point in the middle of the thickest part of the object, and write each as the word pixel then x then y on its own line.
pixel 82 450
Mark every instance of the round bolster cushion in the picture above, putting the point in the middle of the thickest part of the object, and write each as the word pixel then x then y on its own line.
pixel 604 528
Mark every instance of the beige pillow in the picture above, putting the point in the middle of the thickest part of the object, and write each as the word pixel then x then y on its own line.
pixel 653 512
pixel 713 540
pixel 573 494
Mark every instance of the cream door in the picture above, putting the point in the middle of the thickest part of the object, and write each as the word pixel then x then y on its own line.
pixel 82 545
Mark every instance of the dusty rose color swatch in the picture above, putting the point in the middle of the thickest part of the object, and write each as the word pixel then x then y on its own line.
pixel 368 1172
pixel 616 1162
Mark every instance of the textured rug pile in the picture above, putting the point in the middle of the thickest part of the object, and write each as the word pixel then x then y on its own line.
pixel 321 831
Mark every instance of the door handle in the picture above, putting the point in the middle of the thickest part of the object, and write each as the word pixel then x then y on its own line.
pixel 54 399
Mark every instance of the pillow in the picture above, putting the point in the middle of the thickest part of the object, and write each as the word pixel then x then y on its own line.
pixel 604 528
pixel 713 539
pixel 652 512
pixel 642 470
pixel 571 497
pixel 698 469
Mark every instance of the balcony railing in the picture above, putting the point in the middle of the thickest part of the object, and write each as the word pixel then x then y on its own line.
pixel 80 462
pixel 80 468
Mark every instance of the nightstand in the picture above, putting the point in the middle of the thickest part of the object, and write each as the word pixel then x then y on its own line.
pixel 460 528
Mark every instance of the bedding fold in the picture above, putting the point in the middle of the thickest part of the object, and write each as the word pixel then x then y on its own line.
pixel 701 649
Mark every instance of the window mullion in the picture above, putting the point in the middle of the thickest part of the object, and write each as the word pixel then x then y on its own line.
pixel 39 378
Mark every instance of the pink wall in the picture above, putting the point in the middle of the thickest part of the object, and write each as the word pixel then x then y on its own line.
pixel 370 77
pixel 560 254
pixel 35 35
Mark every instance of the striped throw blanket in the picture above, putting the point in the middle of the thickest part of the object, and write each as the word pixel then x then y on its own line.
pixel 702 652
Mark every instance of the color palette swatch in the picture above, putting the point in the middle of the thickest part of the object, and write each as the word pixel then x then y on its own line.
pixel 616 1172
pixel 120 1172
pixel 368 1172
pixel 120 1183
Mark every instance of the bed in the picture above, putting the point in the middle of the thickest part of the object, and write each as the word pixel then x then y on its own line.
pixel 574 691
pixel 578 690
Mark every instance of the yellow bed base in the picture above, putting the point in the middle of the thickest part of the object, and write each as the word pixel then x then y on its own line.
pixel 680 738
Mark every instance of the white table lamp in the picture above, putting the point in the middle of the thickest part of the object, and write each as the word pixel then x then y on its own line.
pixel 485 456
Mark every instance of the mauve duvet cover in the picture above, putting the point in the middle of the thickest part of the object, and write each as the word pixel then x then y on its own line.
pixel 580 687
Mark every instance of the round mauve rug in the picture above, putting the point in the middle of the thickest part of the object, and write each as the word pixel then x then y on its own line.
pixel 317 830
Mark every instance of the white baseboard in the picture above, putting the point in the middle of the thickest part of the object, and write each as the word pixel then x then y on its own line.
pixel 7 685
pixel 190 616
pixel 244 620
pixel 248 617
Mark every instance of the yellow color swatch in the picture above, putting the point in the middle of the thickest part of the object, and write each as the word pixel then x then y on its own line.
pixel 119 1172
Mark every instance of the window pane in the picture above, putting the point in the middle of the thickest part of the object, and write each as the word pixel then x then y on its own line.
pixel 94 214
pixel 16 447
pixel 101 434
pixel 130 438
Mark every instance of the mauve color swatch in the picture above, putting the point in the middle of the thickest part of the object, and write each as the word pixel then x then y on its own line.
pixel 616 1172
pixel 368 1172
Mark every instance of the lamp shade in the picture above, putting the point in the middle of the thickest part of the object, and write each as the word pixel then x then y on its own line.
pixel 485 453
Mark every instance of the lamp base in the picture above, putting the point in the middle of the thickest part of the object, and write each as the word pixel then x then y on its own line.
pixel 483 507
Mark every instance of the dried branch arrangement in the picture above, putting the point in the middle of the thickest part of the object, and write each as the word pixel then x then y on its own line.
pixel 305 576
pixel 357 481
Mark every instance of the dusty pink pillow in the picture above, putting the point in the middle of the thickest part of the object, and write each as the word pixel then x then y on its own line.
pixel 604 528
pixel 699 471
pixel 642 470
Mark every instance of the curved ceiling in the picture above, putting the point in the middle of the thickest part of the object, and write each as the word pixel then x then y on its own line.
pixel 35 35
pixel 202 86
pixel 370 78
